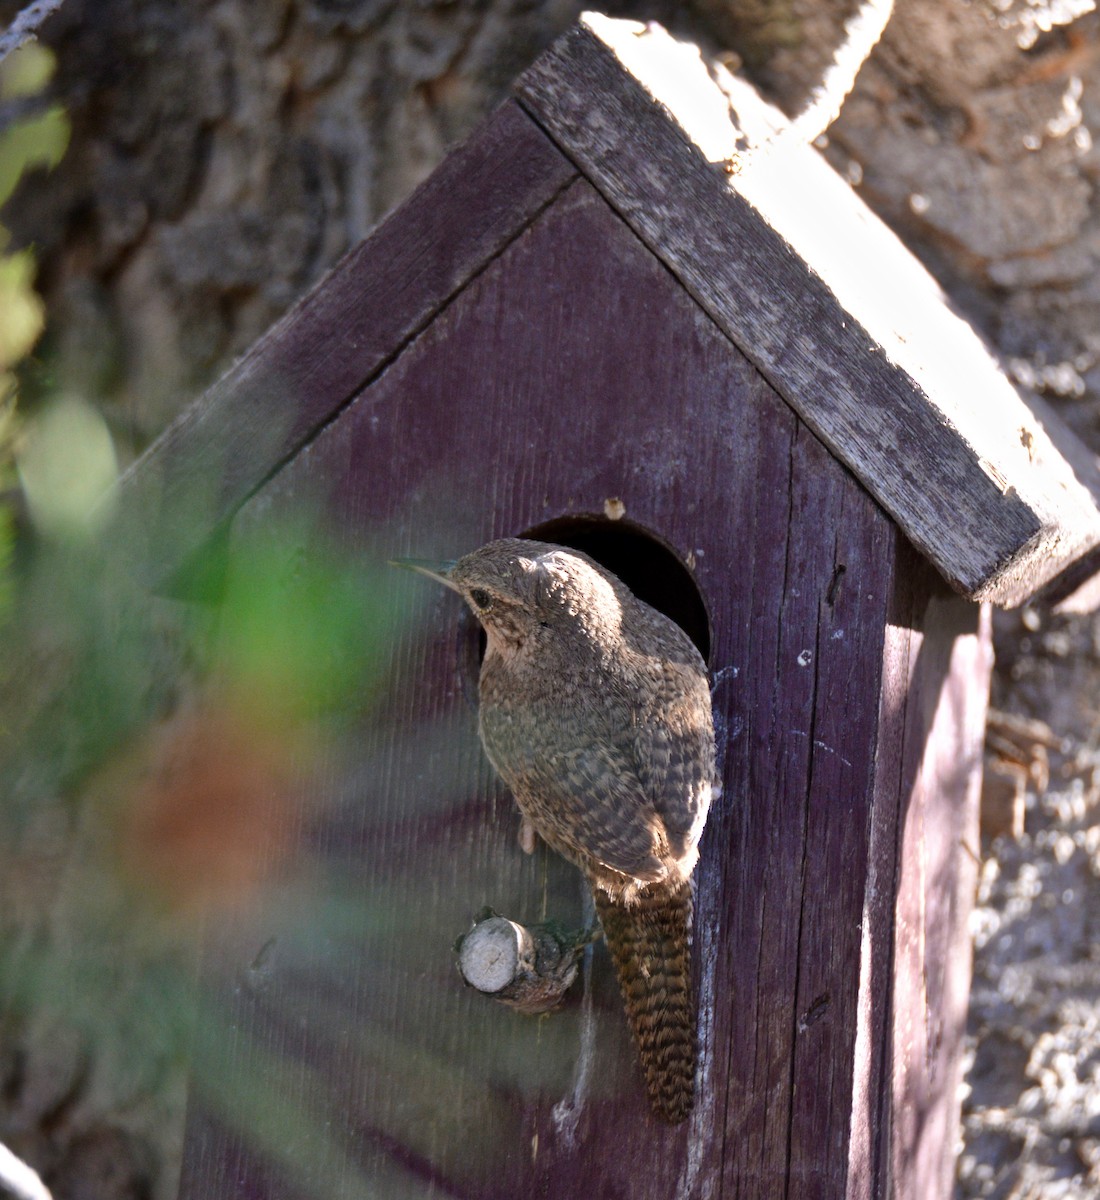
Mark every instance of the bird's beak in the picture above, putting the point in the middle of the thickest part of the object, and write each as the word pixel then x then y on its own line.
pixel 439 571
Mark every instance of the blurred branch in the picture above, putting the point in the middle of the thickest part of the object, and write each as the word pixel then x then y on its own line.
pixel 18 1179
pixel 25 26
pixel 19 108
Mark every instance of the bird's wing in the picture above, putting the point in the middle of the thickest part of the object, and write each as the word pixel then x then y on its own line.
pixel 674 754
pixel 584 796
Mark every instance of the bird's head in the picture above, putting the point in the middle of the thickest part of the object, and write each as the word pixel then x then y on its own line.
pixel 522 590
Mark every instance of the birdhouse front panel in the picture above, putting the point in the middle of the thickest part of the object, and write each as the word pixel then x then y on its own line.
pixel 574 390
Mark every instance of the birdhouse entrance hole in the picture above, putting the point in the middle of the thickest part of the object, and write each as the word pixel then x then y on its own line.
pixel 652 570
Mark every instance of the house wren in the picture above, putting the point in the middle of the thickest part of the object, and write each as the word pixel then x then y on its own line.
pixel 595 711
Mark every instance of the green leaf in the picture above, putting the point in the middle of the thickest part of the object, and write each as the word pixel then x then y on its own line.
pixel 67 465
pixel 21 311
pixel 27 71
pixel 38 141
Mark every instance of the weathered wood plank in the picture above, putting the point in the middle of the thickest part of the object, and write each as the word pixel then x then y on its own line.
pixel 356 319
pixel 852 607
pixel 937 875
pixel 823 299
pixel 403 1081
pixel 870 1149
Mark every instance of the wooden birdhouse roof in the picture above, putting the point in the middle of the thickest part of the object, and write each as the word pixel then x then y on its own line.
pixel 823 299
pixel 769 241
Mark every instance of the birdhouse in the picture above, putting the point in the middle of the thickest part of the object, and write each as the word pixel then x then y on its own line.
pixel 633 316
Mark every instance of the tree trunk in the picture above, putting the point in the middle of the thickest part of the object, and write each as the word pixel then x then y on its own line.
pixel 225 154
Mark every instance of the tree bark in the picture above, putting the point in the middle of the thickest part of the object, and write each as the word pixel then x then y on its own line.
pixel 225 153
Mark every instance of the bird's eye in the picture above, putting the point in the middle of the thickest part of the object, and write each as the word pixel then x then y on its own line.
pixel 481 598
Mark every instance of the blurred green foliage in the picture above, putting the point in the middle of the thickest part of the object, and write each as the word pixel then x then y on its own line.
pixel 37 139
pixel 67 466
pixel 302 624
pixel 168 740
pixel 174 743
pixel 182 792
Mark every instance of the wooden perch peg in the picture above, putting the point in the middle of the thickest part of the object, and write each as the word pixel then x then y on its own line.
pixel 529 968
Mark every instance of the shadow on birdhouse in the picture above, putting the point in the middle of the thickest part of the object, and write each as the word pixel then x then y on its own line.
pixel 583 328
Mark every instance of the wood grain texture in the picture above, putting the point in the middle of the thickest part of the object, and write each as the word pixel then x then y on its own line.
pixel 823 300
pixel 573 369
pixel 870 1152
pixel 300 374
pixel 938 844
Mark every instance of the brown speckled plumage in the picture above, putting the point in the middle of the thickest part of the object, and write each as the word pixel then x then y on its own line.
pixel 595 711
pixel 650 942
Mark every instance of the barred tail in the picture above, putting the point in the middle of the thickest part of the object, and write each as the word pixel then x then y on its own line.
pixel 650 943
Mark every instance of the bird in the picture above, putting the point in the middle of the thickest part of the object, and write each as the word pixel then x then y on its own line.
pixel 595 710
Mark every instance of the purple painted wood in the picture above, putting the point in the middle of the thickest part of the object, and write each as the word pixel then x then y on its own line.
pixel 937 875
pixel 924 842
pixel 573 369
pixel 645 120
pixel 870 1150
pixel 299 375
